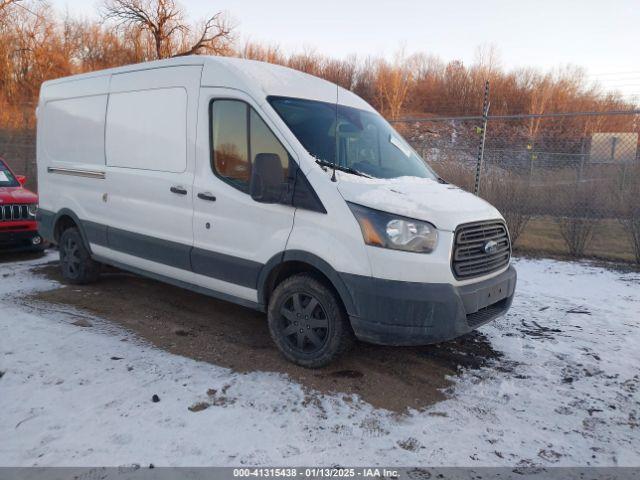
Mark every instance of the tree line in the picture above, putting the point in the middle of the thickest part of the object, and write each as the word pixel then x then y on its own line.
pixel 37 43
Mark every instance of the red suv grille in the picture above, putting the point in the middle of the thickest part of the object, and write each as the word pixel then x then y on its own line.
pixel 12 213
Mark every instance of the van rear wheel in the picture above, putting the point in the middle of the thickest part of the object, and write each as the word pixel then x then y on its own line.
pixel 76 263
pixel 307 322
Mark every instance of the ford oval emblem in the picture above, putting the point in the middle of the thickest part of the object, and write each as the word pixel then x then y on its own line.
pixel 490 247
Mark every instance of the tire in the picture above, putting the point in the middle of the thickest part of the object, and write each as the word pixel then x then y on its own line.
pixel 307 322
pixel 76 264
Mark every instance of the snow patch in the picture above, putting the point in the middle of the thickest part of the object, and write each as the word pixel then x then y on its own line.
pixel 564 393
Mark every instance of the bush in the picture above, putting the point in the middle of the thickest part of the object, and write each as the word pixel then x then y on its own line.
pixel 580 218
pixel 632 226
pixel 630 208
pixel 577 232
pixel 456 172
pixel 512 196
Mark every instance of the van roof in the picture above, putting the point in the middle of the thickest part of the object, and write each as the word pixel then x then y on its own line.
pixel 259 79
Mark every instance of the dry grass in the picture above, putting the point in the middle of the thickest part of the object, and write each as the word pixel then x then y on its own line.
pixel 590 214
pixel 610 241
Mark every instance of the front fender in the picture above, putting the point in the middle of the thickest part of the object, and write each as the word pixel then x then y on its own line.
pixel 315 262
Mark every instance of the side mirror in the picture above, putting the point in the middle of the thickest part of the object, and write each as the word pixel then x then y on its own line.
pixel 267 184
pixel 21 179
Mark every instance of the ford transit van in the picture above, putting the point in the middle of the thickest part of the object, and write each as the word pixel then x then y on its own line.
pixel 270 188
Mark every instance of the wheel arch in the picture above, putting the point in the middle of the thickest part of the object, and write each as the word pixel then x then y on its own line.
pixel 290 262
pixel 66 218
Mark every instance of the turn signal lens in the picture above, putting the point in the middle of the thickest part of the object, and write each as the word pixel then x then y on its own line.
pixel 369 233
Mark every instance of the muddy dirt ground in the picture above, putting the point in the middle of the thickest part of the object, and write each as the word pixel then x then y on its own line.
pixel 206 329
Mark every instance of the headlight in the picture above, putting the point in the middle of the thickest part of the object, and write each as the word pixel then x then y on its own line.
pixel 386 230
pixel 33 209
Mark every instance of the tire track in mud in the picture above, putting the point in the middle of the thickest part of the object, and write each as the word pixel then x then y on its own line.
pixel 202 328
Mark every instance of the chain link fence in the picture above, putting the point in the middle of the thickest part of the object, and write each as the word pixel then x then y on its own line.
pixel 18 148
pixel 567 184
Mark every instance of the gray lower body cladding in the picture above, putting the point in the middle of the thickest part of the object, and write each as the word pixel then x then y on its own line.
pixel 391 312
pixel 381 311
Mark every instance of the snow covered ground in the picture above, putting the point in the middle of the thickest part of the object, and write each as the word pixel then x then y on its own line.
pixel 565 392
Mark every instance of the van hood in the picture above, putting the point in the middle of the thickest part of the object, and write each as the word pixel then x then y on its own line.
pixel 16 195
pixel 444 205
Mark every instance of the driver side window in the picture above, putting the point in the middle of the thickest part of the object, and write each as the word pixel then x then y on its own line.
pixel 238 135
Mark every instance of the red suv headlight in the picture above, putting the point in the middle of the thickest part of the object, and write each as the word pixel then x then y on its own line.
pixel 33 209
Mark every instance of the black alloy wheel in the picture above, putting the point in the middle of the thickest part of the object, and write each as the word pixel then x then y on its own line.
pixel 304 323
pixel 70 260
pixel 76 263
pixel 307 321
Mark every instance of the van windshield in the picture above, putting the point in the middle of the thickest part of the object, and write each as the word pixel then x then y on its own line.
pixel 365 142
pixel 6 177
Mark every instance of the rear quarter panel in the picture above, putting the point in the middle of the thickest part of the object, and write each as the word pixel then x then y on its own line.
pixel 71 135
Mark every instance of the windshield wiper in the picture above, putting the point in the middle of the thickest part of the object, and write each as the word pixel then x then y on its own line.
pixel 350 170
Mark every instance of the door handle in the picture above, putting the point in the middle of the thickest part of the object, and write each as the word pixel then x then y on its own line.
pixel 207 196
pixel 179 190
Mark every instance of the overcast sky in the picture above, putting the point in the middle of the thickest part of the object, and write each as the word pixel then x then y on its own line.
pixel 602 36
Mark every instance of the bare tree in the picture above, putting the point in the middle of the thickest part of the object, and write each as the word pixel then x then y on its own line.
pixel 487 60
pixel 263 53
pixel 308 61
pixel 392 85
pixel 5 4
pixel 215 37
pixel 342 72
pixel 6 8
pixel 165 22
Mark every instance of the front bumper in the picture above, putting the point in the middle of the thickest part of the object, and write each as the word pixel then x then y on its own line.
pixel 20 239
pixel 393 312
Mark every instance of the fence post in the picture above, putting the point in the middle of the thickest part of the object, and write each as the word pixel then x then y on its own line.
pixel 485 114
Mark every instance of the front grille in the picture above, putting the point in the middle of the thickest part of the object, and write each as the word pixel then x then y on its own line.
pixel 12 213
pixel 469 256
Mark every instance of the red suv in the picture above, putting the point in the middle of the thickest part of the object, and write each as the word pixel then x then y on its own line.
pixel 18 208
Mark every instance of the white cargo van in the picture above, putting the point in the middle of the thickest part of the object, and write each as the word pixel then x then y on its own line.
pixel 270 188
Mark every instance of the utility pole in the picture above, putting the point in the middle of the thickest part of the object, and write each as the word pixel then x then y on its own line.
pixel 485 118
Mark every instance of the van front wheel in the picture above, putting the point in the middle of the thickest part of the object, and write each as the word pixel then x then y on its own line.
pixel 76 263
pixel 307 322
